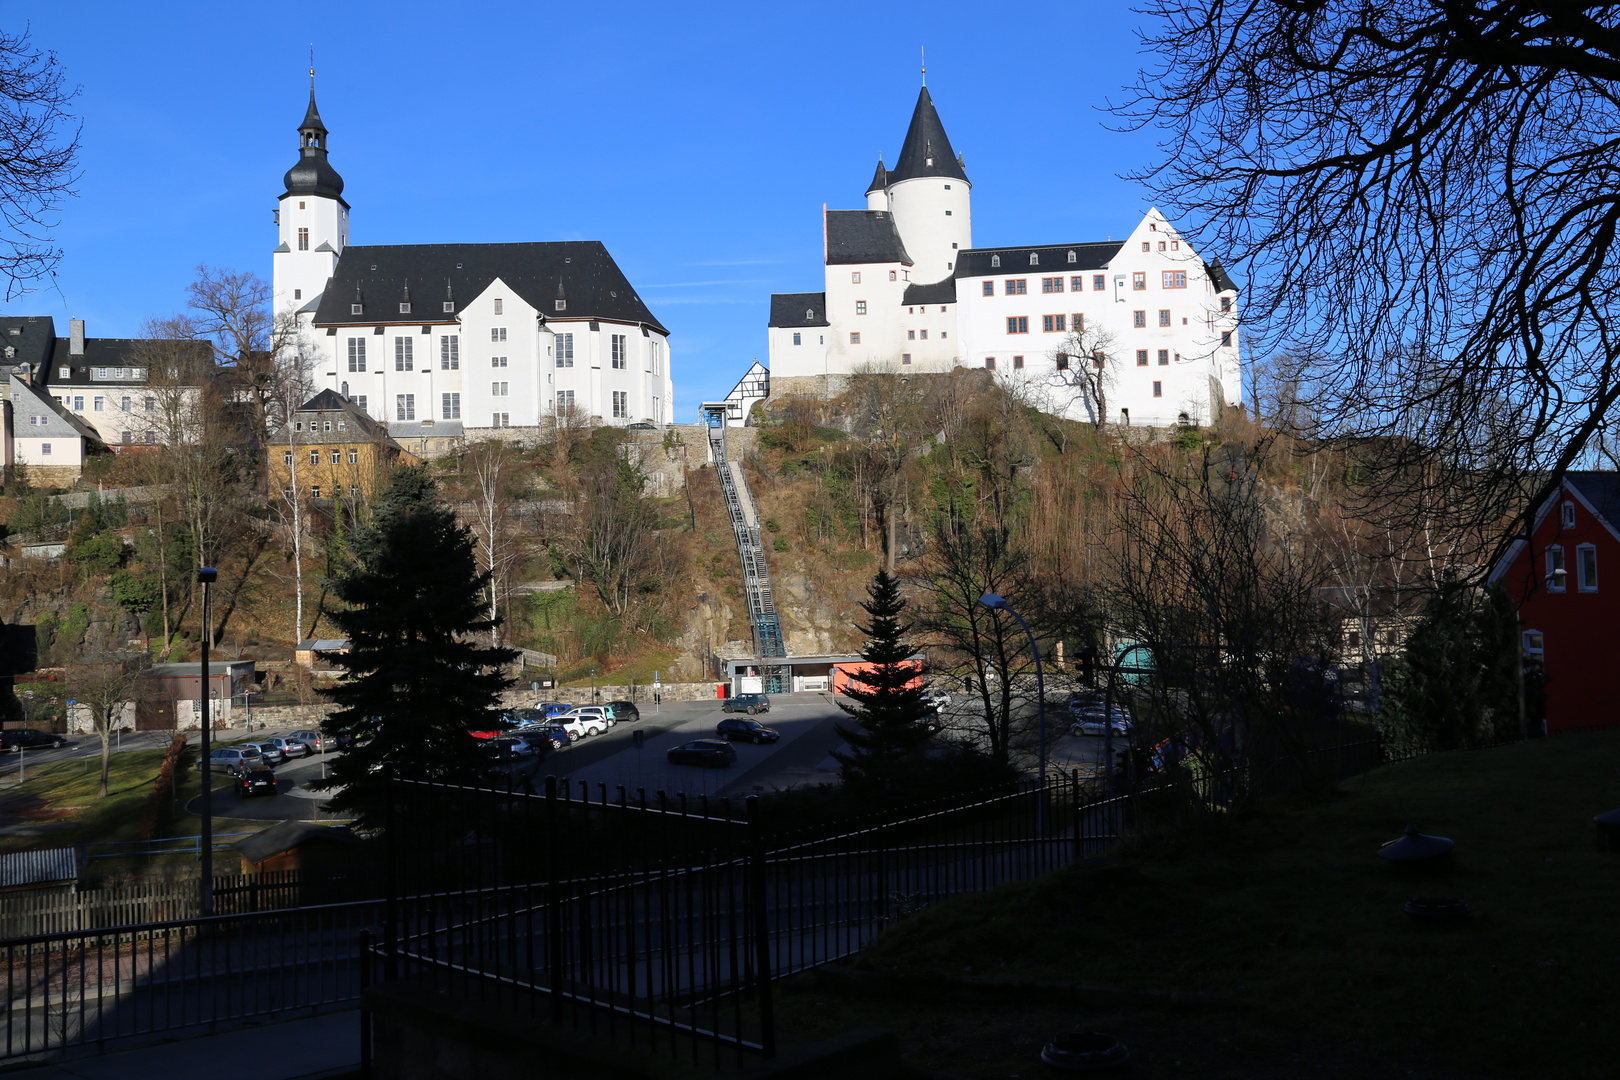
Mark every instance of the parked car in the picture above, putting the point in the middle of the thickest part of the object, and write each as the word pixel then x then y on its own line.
pixel 710 752
pixel 343 740
pixel 748 703
pixel 256 782
pixel 1097 719
pixel 625 710
pixel 553 708
pixel 581 726
pixel 507 748
pixel 752 730
pixel 235 760
pixel 273 755
pixel 595 712
pixel 291 748
pixel 936 699
pixel 549 732
pixel 29 739
pixel 311 739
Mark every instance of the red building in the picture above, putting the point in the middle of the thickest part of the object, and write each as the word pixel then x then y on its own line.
pixel 1566 616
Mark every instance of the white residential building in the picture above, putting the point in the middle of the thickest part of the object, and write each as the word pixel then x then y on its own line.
pixel 442 341
pixel 906 290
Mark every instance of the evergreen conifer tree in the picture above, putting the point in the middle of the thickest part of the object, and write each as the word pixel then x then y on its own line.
pixel 418 681
pixel 888 706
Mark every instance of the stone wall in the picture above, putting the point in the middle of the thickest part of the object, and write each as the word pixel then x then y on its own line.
pixel 666 456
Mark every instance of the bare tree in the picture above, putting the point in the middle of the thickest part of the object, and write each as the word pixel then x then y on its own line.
pixel 105 688
pixel 889 418
pixel 494 471
pixel 39 150
pixel 233 312
pixel 1421 193
pixel 291 383
pixel 610 538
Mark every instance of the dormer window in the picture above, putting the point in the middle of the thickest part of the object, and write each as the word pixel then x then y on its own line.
pixel 1034 259
pixel 562 305
pixel 449 306
pixel 809 313
pixel 66 373
pixel 1072 258
pixel 405 308
pixel 995 260
pixel 355 309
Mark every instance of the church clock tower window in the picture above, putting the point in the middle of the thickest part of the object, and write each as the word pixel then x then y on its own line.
pixel 303 239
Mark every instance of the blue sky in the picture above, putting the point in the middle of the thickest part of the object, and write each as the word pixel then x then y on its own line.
pixel 697 142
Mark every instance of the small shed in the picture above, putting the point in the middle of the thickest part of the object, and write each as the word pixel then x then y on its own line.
pixel 295 845
pixel 39 869
pixel 307 652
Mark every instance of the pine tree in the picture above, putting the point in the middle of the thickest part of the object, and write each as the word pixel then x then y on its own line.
pixel 888 696
pixel 418 681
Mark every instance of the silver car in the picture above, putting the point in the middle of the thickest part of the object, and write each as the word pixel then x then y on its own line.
pixel 235 760
pixel 292 748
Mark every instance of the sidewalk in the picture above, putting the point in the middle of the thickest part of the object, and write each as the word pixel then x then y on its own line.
pixel 311 1048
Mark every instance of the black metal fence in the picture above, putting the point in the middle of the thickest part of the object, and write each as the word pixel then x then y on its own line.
pixel 126 982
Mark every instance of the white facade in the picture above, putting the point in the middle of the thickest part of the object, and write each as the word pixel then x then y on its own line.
pixel 1165 322
pixel 444 341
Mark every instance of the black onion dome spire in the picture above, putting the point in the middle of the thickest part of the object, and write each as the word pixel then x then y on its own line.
pixel 313 175
pixel 880 179
pixel 927 150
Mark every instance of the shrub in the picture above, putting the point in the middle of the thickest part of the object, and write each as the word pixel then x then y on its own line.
pixel 781 544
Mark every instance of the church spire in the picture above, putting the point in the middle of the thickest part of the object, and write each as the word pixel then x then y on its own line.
pixel 880 179
pixel 927 150
pixel 313 175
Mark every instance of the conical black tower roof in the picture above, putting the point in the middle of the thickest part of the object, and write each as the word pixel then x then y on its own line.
pixel 313 175
pixel 880 179
pixel 927 150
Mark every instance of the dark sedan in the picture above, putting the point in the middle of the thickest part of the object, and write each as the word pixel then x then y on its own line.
pixel 256 782
pixel 752 730
pixel 28 739
pixel 624 712
pixel 710 752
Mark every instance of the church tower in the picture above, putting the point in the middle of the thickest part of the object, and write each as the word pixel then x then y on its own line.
pixel 313 219
pixel 928 194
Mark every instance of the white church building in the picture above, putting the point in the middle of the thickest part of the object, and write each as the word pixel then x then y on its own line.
pixel 1134 331
pixel 446 341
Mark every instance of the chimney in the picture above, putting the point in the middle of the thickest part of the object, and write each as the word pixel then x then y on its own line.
pixel 75 337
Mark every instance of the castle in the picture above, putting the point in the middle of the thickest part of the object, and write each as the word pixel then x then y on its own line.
pixel 1134 331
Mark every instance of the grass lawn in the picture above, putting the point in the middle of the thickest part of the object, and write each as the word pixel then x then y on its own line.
pixel 1291 911
pixel 58 804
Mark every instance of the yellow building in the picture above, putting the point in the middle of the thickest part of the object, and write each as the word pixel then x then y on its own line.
pixel 332 450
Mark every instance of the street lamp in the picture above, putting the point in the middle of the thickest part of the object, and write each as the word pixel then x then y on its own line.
pixel 996 603
pixel 206 576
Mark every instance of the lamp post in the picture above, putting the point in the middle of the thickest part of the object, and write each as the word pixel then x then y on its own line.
pixel 996 603
pixel 206 576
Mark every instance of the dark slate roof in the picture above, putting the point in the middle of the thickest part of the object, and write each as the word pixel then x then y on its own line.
pixel 112 353
pixel 1219 277
pixel 1602 490
pixel 596 287
pixel 287 835
pixel 1054 259
pixel 19 868
pixel 313 175
pixel 799 309
pixel 32 400
pixel 926 151
pixel 32 336
pixel 940 292
pixel 362 426
pixel 863 236
pixel 880 179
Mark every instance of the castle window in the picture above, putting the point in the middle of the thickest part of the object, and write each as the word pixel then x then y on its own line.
pixel 303 239
pixel 405 406
pixel 855 277
pixel 621 351
pixel 923 334
pixel 1146 246
pixel 1139 281
pixel 1158 389
pixel 621 404
pixel 501 419
pixel 1164 317
pixel 1017 324
pixel 1141 358
pixel 905 358
pixel 497 333
pixel 1153 227
pixel 357 354
pixel 1016 287
pixel 562 305
pixel 449 306
pixel 1034 259
pixel 895 277
pixel 1139 319
pixel 1054 324
pixel 450 352
pixel 298 294
pixel 1226 338
pixel 565 350
pixel 300 204
pixel 1161 245
pixel 990 363
pixel 450 406
pixel 947 213
pixel 1226 303
pixel 1063 361
pixel 499 305
pixel 995 260
pixel 855 338
pixel 860 307
pixel 1175 245
pixel 405 308
pixel 404 358
pixel 1018 363
pixel 796 339
pixel 1072 257
pixel 1164 357
pixel 500 389
pixel 989 288
pixel 500 361
pixel 911 335
pixel 1175 279
pixel 1099 282
pixel 809 313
